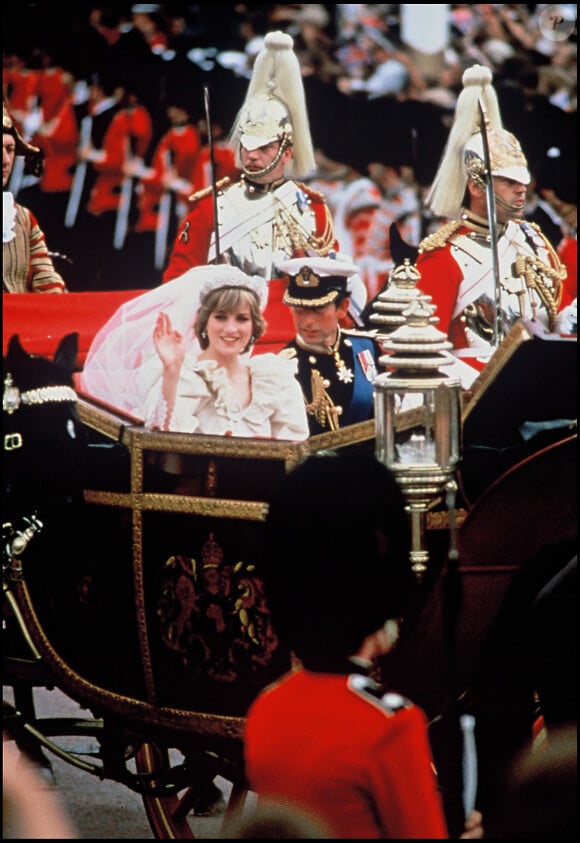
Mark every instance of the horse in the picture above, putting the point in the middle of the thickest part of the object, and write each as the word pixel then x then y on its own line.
pixel 43 494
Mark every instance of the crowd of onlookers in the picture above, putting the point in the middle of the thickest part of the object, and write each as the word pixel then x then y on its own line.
pixel 380 105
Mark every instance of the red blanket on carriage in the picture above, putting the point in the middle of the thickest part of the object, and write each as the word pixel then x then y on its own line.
pixel 41 321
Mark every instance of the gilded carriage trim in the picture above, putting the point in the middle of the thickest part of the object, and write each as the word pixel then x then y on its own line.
pixel 117 499
pixel 517 335
pixel 364 431
pixel 161 502
pixel 440 520
pixel 199 724
pixel 207 507
pixel 141 616
pixel 351 435
pixel 215 446
pixel 103 421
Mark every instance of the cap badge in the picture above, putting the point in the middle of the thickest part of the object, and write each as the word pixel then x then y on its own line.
pixel 307 278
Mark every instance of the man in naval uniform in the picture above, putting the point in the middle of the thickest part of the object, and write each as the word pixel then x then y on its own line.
pixel 336 366
pixel 457 263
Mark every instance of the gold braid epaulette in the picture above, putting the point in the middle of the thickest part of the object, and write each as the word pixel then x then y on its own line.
pixel 323 243
pixel 439 238
pixel 207 190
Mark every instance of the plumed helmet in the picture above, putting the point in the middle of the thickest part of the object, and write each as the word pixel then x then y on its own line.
pixel 505 153
pixel 463 154
pixel 263 120
pixel 275 105
pixel 33 155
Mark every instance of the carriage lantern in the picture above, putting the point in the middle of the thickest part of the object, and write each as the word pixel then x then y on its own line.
pixel 417 418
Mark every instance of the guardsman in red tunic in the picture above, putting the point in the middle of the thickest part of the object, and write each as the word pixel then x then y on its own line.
pixel 58 137
pixel 328 738
pixel 162 191
pixel 120 135
pixel 172 167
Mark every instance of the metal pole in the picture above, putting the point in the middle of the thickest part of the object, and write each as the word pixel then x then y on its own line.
pixel 492 222
pixel 213 173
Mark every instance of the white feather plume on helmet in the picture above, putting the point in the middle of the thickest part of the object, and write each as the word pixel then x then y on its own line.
pixel 275 105
pixel 463 153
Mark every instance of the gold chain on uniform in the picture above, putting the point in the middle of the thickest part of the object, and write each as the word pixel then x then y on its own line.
pixel 289 232
pixel 545 280
pixel 322 407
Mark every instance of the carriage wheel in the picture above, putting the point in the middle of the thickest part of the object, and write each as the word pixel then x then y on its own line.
pixel 170 816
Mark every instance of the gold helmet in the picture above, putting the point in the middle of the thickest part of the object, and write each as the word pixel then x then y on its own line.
pixel 33 155
pixel 275 106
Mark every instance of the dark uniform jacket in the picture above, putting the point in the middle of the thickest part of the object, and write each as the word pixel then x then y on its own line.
pixel 338 383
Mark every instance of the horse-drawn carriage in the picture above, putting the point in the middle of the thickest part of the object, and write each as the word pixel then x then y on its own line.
pixel 131 573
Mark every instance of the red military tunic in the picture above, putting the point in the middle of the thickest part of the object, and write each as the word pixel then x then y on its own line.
pixel 54 87
pixel 332 746
pixel 59 140
pixel 175 154
pixel 128 135
pixel 225 164
pixel 249 237
pixel 457 271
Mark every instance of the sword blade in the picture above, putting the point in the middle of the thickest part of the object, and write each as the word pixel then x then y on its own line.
pixel 78 184
pixel 122 221
pixel 164 215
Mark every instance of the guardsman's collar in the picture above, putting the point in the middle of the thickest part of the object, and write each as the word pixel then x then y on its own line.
pixel 477 224
pixel 258 189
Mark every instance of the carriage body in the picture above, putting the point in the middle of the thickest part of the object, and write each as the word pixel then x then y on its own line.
pixel 146 605
pixel 150 611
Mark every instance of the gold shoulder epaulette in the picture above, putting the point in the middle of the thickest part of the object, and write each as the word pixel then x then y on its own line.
pixel 316 194
pixel 200 194
pixel 439 238
pixel 535 226
pixel 287 353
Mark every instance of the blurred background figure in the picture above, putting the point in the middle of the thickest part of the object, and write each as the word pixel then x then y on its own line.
pixel 29 810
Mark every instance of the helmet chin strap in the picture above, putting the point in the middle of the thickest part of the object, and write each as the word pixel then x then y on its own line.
pixel 284 144
pixel 511 209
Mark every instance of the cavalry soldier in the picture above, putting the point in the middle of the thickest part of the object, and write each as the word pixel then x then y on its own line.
pixel 266 216
pixel 481 288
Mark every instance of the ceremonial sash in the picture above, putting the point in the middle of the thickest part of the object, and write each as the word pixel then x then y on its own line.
pixel 362 394
pixel 242 216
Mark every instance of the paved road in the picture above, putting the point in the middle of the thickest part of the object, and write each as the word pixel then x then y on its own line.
pixel 102 810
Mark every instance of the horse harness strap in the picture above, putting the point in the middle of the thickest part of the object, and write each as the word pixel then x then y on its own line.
pixel 12 399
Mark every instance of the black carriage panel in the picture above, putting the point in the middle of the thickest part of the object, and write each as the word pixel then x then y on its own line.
pixel 211 643
pixel 189 510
